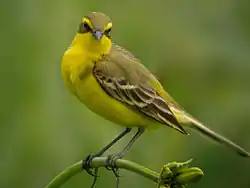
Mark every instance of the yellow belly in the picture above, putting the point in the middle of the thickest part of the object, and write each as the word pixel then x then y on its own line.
pixel 98 101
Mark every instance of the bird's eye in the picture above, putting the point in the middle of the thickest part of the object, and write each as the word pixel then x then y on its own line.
pixel 107 32
pixel 84 28
pixel 87 26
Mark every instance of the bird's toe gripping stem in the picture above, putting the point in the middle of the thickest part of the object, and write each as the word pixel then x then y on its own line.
pixel 86 162
pixel 111 165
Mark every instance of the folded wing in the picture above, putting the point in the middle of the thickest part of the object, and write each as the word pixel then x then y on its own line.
pixel 125 79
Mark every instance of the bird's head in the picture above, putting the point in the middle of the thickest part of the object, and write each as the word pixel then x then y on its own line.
pixel 95 30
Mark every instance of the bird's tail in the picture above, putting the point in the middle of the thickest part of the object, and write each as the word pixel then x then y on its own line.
pixel 198 126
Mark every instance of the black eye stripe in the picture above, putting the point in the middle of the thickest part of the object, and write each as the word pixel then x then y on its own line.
pixel 107 31
pixel 84 28
pixel 87 26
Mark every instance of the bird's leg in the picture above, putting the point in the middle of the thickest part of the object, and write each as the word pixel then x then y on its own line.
pixel 86 162
pixel 110 162
pixel 95 178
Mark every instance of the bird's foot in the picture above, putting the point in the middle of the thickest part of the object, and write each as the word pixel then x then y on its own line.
pixel 86 166
pixel 86 162
pixel 111 165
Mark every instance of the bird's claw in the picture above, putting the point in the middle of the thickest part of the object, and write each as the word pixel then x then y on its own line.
pixel 111 165
pixel 86 165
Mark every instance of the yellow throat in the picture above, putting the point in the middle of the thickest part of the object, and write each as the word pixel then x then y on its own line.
pixel 80 57
pixel 91 47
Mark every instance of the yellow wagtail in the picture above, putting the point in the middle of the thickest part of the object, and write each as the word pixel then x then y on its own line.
pixel 113 83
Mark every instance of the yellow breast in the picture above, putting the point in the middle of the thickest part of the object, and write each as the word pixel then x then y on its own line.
pixel 77 74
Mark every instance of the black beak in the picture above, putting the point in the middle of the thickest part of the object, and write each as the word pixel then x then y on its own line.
pixel 97 34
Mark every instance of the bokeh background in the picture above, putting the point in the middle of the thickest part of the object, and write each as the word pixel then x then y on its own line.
pixel 200 50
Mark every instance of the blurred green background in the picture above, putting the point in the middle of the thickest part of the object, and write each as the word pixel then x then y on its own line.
pixel 200 50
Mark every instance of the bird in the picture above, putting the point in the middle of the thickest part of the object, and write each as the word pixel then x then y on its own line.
pixel 112 82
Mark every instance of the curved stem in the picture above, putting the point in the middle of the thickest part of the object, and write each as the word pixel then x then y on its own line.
pixel 72 170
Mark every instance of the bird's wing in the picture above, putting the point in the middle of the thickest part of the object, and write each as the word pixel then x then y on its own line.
pixel 124 78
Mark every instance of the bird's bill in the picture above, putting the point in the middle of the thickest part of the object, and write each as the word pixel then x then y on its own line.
pixel 98 34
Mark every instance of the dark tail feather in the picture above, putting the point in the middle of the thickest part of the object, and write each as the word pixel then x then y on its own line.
pixel 211 134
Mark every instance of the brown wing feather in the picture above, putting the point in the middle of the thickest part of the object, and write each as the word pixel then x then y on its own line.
pixel 138 94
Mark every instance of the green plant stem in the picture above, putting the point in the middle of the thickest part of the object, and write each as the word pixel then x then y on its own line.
pixel 72 170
